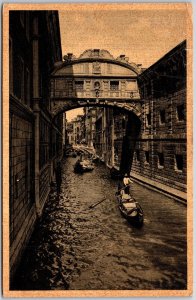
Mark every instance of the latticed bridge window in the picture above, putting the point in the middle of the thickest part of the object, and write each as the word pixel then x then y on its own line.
pixel 114 85
pixel 79 85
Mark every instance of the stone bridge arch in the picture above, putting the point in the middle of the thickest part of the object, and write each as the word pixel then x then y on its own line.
pixel 66 105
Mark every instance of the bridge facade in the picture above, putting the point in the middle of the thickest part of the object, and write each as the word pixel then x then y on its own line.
pixel 96 78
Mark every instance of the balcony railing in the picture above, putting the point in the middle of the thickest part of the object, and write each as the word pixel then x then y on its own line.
pixel 94 94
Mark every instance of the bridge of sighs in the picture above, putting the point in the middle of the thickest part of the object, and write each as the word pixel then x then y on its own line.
pixel 96 78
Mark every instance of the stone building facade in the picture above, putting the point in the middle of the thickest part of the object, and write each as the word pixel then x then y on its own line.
pixel 76 130
pixel 90 118
pixel 70 133
pixel 110 130
pixel 79 129
pixel 35 138
pixel 99 133
pixel 160 156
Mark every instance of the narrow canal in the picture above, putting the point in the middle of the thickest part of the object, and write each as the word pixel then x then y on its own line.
pixel 77 248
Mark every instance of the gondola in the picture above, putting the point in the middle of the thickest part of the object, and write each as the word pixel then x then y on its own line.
pixel 82 166
pixel 130 209
pixel 74 154
pixel 115 174
pixel 95 158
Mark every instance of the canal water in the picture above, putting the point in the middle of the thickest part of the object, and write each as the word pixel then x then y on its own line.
pixel 78 248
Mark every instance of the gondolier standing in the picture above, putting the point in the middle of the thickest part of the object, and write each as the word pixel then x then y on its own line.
pixel 127 181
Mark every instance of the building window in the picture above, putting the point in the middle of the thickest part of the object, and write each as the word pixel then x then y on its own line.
pixel 137 155
pixel 147 157
pixel 180 112
pixel 178 162
pixel 148 118
pixel 114 85
pixel 162 116
pixel 160 160
pixel 79 85
pixel 18 78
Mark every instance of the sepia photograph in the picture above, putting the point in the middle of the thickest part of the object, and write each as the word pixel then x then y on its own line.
pixel 97 147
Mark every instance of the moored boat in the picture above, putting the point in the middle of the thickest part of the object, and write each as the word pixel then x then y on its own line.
pixel 74 154
pixel 130 209
pixel 95 158
pixel 82 166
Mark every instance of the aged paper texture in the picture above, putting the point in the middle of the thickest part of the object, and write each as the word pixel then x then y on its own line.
pixel 113 84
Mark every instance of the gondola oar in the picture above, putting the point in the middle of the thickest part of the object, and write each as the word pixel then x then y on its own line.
pixel 93 205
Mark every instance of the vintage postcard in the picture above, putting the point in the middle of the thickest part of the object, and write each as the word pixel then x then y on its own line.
pixel 97 150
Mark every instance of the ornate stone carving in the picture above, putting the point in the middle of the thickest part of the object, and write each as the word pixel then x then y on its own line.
pixel 97 88
pixel 97 85
pixel 96 53
pixel 96 67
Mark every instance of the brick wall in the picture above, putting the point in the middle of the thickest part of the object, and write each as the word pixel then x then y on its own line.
pixel 22 207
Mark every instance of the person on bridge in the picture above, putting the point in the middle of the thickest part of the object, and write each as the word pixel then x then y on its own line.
pixel 127 181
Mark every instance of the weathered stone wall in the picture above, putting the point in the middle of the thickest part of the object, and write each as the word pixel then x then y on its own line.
pixel 167 174
pixel 167 140
pixel 160 156
pixel 22 208
pixel 29 70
